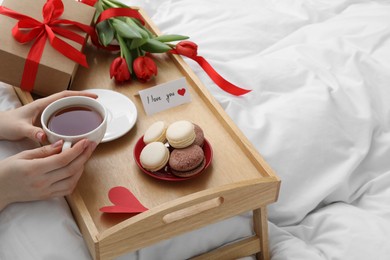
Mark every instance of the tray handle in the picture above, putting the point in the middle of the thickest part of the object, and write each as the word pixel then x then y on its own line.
pixel 187 213
pixel 193 210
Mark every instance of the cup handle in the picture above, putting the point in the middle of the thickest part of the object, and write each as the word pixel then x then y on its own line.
pixel 66 145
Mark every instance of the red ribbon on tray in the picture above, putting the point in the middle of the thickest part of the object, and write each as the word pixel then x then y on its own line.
pixel 29 29
pixel 190 49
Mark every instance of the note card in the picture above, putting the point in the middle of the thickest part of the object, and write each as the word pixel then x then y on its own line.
pixel 165 96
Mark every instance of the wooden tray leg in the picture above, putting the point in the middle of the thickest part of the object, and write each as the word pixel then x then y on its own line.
pixel 260 224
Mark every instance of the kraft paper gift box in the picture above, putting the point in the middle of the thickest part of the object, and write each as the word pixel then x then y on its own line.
pixel 55 71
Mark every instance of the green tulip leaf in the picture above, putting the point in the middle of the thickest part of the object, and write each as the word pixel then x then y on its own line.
pixel 171 38
pixel 138 27
pixel 138 22
pixel 125 30
pixel 105 32
pixel 155 46
pixel 135 43
pixel 99 10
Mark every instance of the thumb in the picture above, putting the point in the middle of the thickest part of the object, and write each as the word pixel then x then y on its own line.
pixel 35 133
pixel 42 152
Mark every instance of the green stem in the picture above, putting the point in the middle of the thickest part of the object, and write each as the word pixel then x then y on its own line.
pixel 139 52
pixel 121 43
pixel 125 53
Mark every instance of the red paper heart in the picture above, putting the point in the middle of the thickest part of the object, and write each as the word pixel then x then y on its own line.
pixel 181 92
pixel 124 202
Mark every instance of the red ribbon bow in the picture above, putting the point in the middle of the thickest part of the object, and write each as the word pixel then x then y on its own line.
pixel 28 29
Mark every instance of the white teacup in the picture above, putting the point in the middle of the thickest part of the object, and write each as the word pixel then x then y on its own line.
pixel 74 123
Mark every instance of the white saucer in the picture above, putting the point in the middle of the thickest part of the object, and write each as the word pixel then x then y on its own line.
pixel 122 113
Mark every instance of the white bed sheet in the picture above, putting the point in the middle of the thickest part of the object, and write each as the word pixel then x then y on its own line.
pixel 318 113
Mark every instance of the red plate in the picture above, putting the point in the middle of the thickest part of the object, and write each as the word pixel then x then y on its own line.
pixel 165 174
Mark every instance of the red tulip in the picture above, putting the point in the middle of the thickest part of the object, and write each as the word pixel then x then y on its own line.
pixel 119 70
pixel 187 48
pixel 144 68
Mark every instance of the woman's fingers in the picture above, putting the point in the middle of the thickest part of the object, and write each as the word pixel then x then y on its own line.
pixel 72 172
pixel 43 172
pixel 65 179
pixel 41 152
pixel 65 186
pixel 35 133
pixel 49 157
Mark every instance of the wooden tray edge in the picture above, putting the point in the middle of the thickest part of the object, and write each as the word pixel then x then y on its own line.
pixel 187 213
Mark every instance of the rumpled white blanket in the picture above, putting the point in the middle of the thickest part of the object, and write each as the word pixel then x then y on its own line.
pixel 319 113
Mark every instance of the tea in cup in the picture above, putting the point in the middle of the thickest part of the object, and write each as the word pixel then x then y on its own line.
pixel 74 118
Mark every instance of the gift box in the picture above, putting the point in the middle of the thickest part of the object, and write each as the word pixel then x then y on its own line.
pixel 54 71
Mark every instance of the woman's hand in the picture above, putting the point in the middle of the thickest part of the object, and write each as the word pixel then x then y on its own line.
pixel 22 122
pixel 43 173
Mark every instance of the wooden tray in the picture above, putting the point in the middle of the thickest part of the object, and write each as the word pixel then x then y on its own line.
pixel 238 180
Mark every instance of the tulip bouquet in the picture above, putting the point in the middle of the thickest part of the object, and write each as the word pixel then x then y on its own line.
pixel 134 41
pixel 119 27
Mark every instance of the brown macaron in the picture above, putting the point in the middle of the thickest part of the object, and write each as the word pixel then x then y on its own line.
pixel 187 161
pixel 199 135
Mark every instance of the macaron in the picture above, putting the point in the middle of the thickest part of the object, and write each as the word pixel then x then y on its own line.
pixel 154 156
pixel 155 132
pixel 180 134
pixel 187 161
pixel 199 135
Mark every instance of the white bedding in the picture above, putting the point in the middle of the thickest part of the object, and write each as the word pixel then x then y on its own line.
pixel 319 113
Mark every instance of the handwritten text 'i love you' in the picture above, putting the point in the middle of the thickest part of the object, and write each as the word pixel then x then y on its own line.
pixel 165 96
